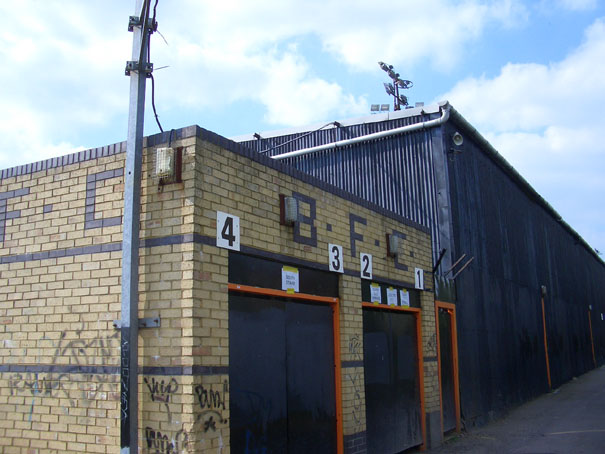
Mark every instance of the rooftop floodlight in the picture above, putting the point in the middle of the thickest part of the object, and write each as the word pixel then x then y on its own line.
pixel 390 89
pixel 393 89
pixel 385 107
pixel 374 107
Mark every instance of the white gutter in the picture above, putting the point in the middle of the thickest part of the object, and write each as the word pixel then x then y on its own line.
pixel 445 114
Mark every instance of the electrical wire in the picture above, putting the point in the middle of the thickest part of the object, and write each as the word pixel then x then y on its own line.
pixel 297 138
pixel 155 112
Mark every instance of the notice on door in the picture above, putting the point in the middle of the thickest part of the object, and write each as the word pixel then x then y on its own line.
pixel 289 279
pixel 375 293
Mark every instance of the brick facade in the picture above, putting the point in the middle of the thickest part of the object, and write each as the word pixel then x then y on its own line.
pixel 60 271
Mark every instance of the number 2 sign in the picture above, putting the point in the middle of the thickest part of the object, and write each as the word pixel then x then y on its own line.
pixel 227 231
pixel 366 265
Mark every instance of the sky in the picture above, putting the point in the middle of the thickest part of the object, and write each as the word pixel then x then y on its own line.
pixel 529 75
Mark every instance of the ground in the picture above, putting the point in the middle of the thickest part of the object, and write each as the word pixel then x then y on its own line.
pixel 569 420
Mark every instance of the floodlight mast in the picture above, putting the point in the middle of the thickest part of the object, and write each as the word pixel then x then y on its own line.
pixel 393 89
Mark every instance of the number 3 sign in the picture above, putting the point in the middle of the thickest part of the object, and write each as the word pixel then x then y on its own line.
pixel 336 264
pixel 227 231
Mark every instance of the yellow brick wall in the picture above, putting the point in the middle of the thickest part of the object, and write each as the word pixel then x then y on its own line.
pixel 59 375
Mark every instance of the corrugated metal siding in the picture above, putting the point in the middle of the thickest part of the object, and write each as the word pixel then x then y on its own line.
pixel 518 247
pixel 395 172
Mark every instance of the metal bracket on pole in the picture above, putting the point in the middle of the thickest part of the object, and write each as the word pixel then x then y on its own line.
pixel 135 21
pixel 149 322
pixel 136 66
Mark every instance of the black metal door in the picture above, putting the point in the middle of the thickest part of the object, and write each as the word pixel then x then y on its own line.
pixel 446 351
pixel 393 410
pixel 281 373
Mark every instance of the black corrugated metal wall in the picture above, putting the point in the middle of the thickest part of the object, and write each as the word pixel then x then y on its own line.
pixel 518 247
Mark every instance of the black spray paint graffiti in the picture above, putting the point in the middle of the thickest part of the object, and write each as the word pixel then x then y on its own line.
pixel 124 381
pixel 161 391
pixel 212 403
pixel 209 399
pixel 431 345
pixel 355 347
pixel 162 443
pixel 357 404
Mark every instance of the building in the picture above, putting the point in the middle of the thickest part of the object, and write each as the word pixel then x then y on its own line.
pixel 527 291
pixel 260 331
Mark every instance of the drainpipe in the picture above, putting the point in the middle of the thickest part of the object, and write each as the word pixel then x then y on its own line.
pixel 445 114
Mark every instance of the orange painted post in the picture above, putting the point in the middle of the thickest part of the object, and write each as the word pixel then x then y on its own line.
pixel 594 358
pixel 456 377
pixel 437 307
pixel 338 378
pixel 451 310
pixel 546 345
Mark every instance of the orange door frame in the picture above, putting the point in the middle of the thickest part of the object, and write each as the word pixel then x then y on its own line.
pixel 334 303
pixel 418 317
pixel 451 309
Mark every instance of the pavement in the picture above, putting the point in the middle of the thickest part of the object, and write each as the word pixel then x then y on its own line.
pixel 568 420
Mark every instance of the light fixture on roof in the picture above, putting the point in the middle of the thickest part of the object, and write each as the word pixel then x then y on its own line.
pixel 288 209
pixel 374 107
pixel 393 89
pixel 385 107
pixel 168 163
pixel 457 139
pixel 393 244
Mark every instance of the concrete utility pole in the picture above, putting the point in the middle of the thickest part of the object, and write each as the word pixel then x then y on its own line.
pixel 138 70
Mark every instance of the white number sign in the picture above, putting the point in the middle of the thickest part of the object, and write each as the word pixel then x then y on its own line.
pixel 335 253
pixel 366 265
pixel 419 278
pixel 227 231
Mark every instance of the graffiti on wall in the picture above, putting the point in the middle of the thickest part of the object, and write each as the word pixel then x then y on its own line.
pixel 355 347
pixel 210 405
pixel 79 352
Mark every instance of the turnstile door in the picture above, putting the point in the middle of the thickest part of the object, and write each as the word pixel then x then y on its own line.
pixel 393 410
pixel 281 374
pixel 447 370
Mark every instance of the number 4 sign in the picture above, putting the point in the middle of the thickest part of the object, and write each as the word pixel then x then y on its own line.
pixel 227 231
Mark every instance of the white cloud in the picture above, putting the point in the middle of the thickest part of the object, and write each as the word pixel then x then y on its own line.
pixel 63 61
pixel 577 5
pixel 238 48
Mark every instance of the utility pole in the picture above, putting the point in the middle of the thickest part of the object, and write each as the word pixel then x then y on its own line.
pixel 138 69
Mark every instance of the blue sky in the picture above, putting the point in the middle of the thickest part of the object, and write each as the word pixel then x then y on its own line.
pixel 529 75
